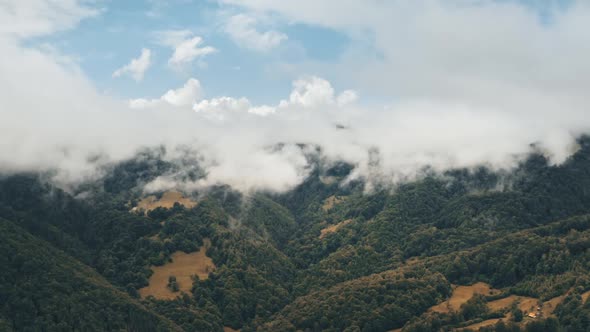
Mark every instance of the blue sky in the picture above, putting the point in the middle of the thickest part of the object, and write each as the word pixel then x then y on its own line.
pixel 110 40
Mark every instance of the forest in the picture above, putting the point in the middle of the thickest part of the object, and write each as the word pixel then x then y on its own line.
pixel 324 256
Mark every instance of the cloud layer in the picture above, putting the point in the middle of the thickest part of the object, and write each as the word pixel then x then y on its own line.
pixel 467 83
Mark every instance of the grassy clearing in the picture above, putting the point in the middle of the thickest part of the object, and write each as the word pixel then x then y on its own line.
pixel 183 267
pixel 331 201
pixel 166 201
pixel 479 325
pixel 333 228
pixel 462 294
pixel 525 304
pixel 549 306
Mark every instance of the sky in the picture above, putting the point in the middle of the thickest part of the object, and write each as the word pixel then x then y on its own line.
pixel 251 57
pixel 425 83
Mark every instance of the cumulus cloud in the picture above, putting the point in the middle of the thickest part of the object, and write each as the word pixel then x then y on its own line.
pixel 308 93
pixel 137 67
pixel 347 97
pixel 222 107
pixel 187 47
pixel 242 29
pixel 186 95
pixel 313 91
pixel 501 53
pixel 480 97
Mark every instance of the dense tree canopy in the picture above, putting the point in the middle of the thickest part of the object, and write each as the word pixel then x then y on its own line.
pixel 323 256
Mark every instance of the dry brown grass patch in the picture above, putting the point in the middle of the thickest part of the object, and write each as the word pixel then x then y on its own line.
pixel 462 294
pixel 479 325
pixel 183 267
pixel 549 306
pixel 525 303
pixel 331 201
pixel 333 228
pixel 528 304
pixel 166 201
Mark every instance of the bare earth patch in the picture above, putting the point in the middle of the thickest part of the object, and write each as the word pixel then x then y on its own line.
pixel 183 267
pixel 166 201
pixel 333 228
pixel 462 294
pixel 229 329
pixel 331 201
pixel 585 296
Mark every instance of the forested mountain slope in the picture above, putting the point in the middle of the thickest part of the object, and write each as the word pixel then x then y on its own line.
pixel 323 256
pixel 43 289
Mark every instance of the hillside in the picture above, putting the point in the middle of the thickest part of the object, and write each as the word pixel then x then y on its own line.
pixel 468 249
pixel 42 288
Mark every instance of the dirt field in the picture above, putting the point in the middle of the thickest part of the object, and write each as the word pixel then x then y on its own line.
pixel 462 294
pixel 331 201
pixel 229 329
pixel 183 266
pixel 333 228
pixel 166 201
pixel 585 296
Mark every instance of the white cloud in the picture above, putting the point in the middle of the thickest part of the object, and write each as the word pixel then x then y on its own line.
pixel 40 17
pixel 187 47
pixel 308 93
pixel 462 51
pixel 313 91
pixel 222 104
pixel 242 29
pixel 470 85
pixel 172 38
pixel 137 67
pixel 223 107
pixel 347 97
pixel 186 95
pixel 189 50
